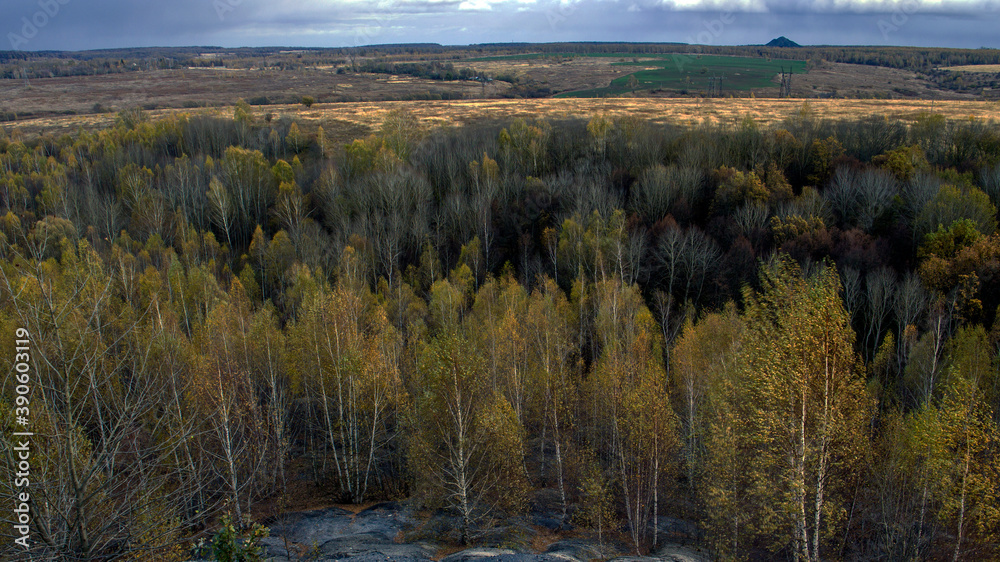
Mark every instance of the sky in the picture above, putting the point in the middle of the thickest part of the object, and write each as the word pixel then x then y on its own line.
pixel 32 25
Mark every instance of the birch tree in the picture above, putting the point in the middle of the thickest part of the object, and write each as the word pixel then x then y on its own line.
pixel 797 413
pixel 98 486
pixel 467 446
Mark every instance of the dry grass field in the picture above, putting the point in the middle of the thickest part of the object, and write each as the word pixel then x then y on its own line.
pixel 558 74
pixel 863 81
pixel 195 87
pixel 987 68
pixel 345 121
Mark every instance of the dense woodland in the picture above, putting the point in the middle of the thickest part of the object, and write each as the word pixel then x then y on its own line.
pixel 787 335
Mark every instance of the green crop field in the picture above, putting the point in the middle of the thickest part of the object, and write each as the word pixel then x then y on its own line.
pixel 554 56
pixel 694 73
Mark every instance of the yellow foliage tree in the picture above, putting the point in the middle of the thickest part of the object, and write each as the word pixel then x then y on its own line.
pixel 789 427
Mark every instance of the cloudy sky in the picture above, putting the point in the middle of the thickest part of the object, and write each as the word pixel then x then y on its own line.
pixel 81 24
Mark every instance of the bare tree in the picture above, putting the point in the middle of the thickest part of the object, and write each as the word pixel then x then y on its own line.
pixel 103 450
pixel 485 190
pixel 851 280
pixel 925 366
pixel 880 286
pixel 290 210
pixel 250 186
pixel 860 198
pixel 466 445
pixel 221 206
pixel 752 220
pixel 689 257
pixel 877 190
pixel 910 304
pixel 989 179
pixel 185 191
pixel 660 188
pixel 917 192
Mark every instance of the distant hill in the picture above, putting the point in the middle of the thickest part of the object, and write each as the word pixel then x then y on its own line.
pixel 782 42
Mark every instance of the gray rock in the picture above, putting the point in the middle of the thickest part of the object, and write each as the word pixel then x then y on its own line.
pixel 384 508
pixel 560 557
pixel 378 557
pixel 522 557
pixel 550 523
pixel 483 554
pixel 371 535
pixel 441 527
pixel 414 551
pixel 366 544
pixel 274 547
pixel 668 553
pixel 389 519
pixel 576 549
pixel 527 557
pixel 311 527
pixel 476 554
pixel 516 535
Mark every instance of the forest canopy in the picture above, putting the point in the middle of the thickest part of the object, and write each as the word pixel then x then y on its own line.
pixel 786 334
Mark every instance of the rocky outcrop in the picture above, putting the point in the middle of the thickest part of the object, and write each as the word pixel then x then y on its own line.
pixel 393 532
pixel 335 534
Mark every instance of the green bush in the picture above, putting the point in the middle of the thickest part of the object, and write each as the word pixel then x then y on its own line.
pixel 238 545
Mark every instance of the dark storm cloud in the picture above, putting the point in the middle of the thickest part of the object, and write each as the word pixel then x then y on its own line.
pixel 118 23
pixel 77 24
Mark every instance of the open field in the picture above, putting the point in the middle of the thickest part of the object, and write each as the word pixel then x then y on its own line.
pixel 558 74
pixel 286 80
pixel 838 80
pixel 682 72
pixel 670 74
pixel 990 68
pixel 219 86
pixel 677 72
pixel 346 121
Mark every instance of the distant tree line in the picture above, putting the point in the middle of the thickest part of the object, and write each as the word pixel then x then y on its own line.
pixel 430 70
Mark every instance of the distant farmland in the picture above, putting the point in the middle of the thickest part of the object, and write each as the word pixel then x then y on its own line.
pixel 685 72
pixel 673 71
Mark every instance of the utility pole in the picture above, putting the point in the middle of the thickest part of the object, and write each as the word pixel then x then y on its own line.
pixel 715 86
pixel 785 90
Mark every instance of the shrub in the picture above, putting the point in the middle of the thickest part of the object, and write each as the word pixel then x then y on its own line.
pixel 238 545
